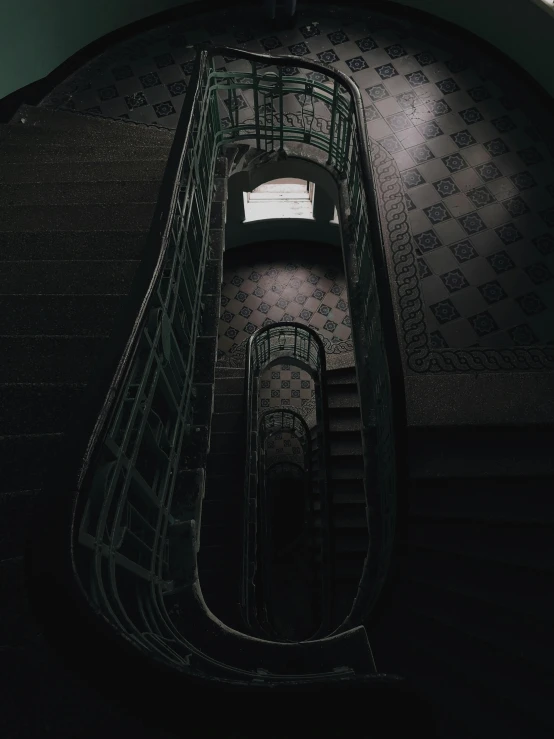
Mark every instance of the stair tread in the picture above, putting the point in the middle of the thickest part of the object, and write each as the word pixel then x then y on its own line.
pixel 486 579
pixel 131 169
pixel 16 451
pixel 511 543
pixel 49 358
pixel 110 152
pixel 69 193
pixel 78 315
pixel 95 217
pixel 521 637
pixel 75 244
pixel 38 408
pixel 58 277
pixel 62 120
pixel 342 376
pixel 531 692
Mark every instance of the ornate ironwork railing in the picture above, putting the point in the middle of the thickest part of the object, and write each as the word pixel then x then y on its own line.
pixel 114 496
pixel 301 346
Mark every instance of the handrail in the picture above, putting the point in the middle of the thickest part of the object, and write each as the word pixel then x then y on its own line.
pixel 101 495
pixel 266 347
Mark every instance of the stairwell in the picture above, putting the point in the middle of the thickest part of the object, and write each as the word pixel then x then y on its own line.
pixel 220 555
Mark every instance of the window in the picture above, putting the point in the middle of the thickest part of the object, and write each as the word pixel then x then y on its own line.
pixel 282 198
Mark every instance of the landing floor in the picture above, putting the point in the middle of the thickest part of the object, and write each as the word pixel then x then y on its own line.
pixel 471 245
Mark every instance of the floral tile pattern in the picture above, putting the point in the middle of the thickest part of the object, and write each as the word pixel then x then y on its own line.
pixel 265 292
pixel 476 171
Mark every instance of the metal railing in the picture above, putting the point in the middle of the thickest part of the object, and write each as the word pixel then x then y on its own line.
pixel 299 345
pixel 123 458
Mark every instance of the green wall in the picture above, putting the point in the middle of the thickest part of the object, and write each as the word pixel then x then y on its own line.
pixel 38 35
pixel 520 28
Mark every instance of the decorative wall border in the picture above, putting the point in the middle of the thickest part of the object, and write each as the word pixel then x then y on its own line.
pixel 419 355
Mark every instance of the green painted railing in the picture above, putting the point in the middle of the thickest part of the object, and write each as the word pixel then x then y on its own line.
pixel 117 498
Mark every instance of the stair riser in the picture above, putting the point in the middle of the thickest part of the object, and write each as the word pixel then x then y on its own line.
pixel 49 359
pixel 10 153
pixel 74 245
pixel 85 193
pixel 131 216
pixel 86 125
pixel 70 278
pixel 63 315
pixel 37 409
pixel 126 136
pixel 17 473
pixel 120 170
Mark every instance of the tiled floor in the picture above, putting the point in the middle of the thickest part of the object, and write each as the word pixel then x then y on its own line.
pixel 476 173
pixel 263 292
pixel 286 386
pixel 283 447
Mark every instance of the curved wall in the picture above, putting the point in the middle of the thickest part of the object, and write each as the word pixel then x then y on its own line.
pixel 37 36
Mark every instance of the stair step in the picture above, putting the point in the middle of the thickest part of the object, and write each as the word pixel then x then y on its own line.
pixel 97 217
pixel 346 473
pixel 342 376
pixel 229 403
pixel 480 452
pixel 229 385
pixel 99 134
pixel 15 513
pixel 351 543
pixel 232 464
pixel 49 358
pixel 65 277
pixel 349 520
pixel 38 408
pixel 523 638
pixel 85 193
pixel 75 245
pixel 348 494
pixel 21 152
pixel 348 487
pixel 345 444
pixel 226 442
pixel 86 125
pixel 344 420
pixel 478 720
pixel 226 372
pixel 122 169
pixel 525 500
pixel 16 451
pixel 343 397
pixel 228 422
pixel 77 315
pixel 527 691
pixel 490 581
pixel 513 544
